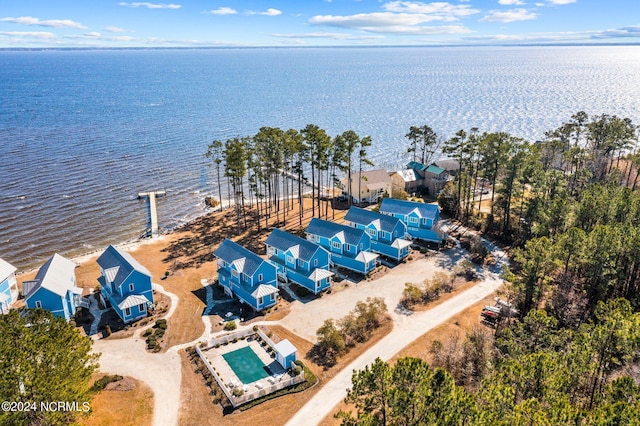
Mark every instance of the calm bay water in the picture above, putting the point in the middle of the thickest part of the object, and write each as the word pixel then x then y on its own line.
pixel 82 132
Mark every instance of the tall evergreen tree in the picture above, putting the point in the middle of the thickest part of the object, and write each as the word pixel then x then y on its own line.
pixel 43 359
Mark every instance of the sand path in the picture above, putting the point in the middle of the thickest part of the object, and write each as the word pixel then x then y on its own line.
pixel 404 332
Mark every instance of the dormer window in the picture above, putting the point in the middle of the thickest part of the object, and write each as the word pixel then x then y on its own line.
pixel 131 287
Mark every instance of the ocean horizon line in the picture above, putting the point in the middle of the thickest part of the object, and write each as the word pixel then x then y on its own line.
pixel 351 46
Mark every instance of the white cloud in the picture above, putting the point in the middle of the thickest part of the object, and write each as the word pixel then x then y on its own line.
pixel 561 1
pixel 56 23
pixel 115 30
pixel 33 34
pixel 506 16
pixel 404 17
pixel 446 11
pixel 334 36
pixel 223 11
pixel 268 12
pixel 90 35
pixel 387 22
pixel 510 2
pixel 151 5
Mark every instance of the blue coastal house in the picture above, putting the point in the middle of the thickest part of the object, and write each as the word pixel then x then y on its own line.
pixel 125 283
pixel 8 286
pixel 421 219
pixel 387 233
pixel 299 260
pixel 54 288
pixel 349 247
pixel 246 275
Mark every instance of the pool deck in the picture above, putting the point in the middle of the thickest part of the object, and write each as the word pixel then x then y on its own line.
pixel 228 376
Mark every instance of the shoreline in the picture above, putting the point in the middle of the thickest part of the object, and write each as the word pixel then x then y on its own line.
pixel 127 245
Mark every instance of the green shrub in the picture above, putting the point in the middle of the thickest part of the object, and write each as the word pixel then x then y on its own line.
pixel 237 392
pixel 296 369
pixel 159 333
pixel 161 323
pixel 255 328
pixel 102 382
pixel 230 325
pixel 147 332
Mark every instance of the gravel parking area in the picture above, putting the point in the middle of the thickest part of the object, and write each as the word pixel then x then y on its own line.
pixel 305 318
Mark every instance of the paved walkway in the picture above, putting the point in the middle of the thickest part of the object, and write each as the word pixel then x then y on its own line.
pixel 407 329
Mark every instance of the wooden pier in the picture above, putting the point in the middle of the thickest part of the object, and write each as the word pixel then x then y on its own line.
pixel 153 229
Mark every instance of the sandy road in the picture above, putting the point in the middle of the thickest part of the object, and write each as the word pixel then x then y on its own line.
pixel 405 331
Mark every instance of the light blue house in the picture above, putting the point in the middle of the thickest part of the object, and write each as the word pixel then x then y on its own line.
pixel 349 247
pixel 8 286
pixel 421 219
pixel 299 260
pixel 125 283
pixel 54 288
pixel 246 275
pixel 387 233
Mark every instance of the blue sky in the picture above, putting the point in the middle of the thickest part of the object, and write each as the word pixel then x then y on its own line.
pixel 100 23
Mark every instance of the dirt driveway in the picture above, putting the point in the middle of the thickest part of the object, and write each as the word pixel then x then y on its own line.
pixel 305 318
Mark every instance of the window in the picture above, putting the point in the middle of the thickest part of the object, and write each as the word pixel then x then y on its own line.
pixel 336 245
pixel 424 220
pixel 141 307
pixel 259 277
pixel 235 273
pixel 38 304
pixel 361 246
pixel 127 312
pixel 131 287
pixel 413 220
pixel 290 259
pixel 260 300
pixel 372 232
pixel 315 262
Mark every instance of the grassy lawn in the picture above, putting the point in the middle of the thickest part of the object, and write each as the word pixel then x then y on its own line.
pixel 127 402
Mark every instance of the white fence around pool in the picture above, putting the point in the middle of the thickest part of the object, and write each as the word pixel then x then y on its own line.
pixel 281 383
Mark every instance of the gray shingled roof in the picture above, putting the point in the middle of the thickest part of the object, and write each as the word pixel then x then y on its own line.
pixel 118 265
pixel 284 241
pixel 365 217
pixel 391 205
pixel 6 269
pixel 246 261
pixel 327 229
pixel 56 275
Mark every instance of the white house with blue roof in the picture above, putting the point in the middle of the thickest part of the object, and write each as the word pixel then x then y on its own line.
pixel 54 288
pixel 387 233
pixel 299 260
pixel 349 247
pixel 8 286
pixel 246 275
pixel 125 283
pixel 421 219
